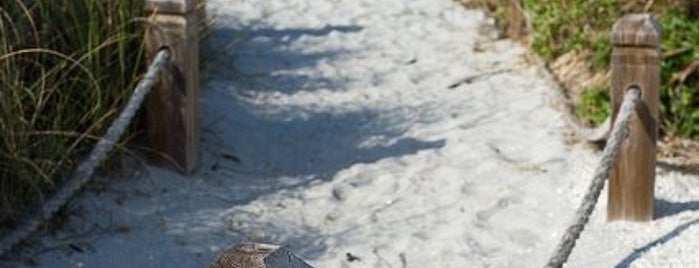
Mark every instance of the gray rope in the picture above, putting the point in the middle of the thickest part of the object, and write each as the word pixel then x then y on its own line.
pixel 598 133
pixel 601 132
pixel 85 169
pixel 611 150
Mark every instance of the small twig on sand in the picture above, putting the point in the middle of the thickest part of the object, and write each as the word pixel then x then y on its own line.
pixel 384 261
pixel 473 78
pixel 403 260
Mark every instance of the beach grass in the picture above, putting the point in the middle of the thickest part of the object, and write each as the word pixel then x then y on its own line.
pixel 66 68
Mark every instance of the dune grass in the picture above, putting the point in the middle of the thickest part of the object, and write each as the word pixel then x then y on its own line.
pixel 66 67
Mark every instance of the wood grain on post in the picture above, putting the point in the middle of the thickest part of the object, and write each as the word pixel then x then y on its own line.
pixel 254 255
pixel 635 62
pixel 172 109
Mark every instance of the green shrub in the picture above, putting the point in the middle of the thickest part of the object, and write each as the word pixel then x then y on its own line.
pixel 66 67
pixel 562 26
pixel 594 105
pixel 680 99
pixel 559 27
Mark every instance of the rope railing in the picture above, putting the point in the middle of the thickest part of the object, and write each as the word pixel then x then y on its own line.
pixel 596 134
pixel 599 133
pixel 619 132
pixel 85 170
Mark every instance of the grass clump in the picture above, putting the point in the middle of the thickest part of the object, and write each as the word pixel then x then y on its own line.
pixel 594 105
pixel 562 26
pixel 679 95
pixel 66 67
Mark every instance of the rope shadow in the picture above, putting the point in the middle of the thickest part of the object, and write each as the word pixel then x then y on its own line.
pixel 638 253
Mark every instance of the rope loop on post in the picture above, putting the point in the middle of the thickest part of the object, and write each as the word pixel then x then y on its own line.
pixel 619 132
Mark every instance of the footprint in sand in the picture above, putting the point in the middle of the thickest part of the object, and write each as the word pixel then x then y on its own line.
pixel 525 239
pixel 341 192
pixel 483 216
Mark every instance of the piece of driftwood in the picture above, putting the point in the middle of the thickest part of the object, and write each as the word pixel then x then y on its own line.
pixel 255 255
pixel 635 63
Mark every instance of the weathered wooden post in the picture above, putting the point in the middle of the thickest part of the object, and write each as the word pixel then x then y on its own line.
pixel 253 255
pixel 173 107
pixel 635 63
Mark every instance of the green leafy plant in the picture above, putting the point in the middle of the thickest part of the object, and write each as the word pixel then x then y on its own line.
pixel 583 26
pixel 559 27
pixel 562 26
pixel 680 91
pixel 594 105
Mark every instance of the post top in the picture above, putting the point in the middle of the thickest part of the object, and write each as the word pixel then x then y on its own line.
pixel 171 6
pixel 636 30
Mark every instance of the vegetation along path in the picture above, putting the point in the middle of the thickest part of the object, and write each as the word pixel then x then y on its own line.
pixel 372 133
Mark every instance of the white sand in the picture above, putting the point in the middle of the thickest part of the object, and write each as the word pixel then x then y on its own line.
pixel 351 141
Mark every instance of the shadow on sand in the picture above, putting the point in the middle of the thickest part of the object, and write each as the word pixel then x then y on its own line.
pixel 264 147
pixel 638 253
pixel 666 208
pixel 291 140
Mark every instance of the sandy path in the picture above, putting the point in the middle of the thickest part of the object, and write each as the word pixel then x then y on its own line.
pixel 366 128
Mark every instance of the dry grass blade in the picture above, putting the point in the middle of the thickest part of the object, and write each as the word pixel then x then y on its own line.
pixel 65 67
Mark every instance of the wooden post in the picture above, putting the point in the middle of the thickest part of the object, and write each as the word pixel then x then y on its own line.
pixel 253 255
pixel 635 62
pixel 172 109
